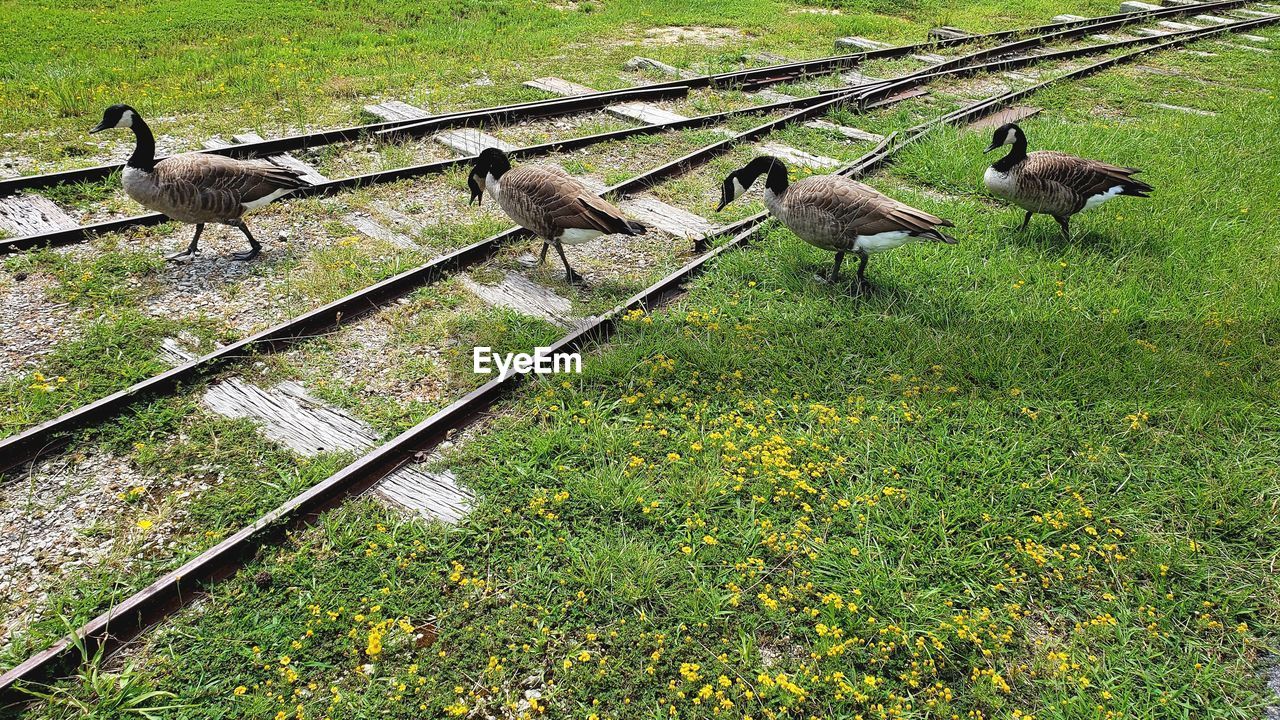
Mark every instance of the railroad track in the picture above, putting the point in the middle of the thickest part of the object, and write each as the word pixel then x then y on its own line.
pixel 48 436
pixel 57 229
pixel 751 78
pixel 173 590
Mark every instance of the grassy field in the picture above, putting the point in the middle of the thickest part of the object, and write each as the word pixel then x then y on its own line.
pixel 1026 477
pixel 281 64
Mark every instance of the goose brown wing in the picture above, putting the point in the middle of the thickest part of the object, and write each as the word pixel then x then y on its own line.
pixel 859 209
pixel 219 186
pixel 1058 174
pixel 555 201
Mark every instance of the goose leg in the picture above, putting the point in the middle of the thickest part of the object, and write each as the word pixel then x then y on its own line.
pixel 863 284
pixel 1025 221
pixel 1063 222
pixel 570 276
pixel 542 257
pixel 254 247
pixel 835 269
pixel 191 248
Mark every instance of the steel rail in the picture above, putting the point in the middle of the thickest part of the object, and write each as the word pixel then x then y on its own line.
pixel 48 436
pixel 515 111
pixel 179 587
pixel 874 94
pixel 167 594
pixel 84 232
pixel 751 78
pixel 1055 32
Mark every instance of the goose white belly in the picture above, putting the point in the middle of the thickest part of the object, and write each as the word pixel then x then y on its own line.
pixel 577 236
pixel 254 205
pixel 880 242
pixel 1102 197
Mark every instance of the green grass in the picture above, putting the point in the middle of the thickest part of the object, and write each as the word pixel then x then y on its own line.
pixel 103 280
pixel 115 351
pixel 224 68
pixel 1025 476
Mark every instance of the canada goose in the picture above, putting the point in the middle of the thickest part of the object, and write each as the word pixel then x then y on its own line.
pixel 197 188
pixel 549 202
pixel 836 213
pixel 1054 183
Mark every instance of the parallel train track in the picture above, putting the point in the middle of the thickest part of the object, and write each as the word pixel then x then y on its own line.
pixel 48 436
pixel 175 589
pixel 751 79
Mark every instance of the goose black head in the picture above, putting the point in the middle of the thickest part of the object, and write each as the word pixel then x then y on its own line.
pixel 491 161
pixel 739 180
pixel 1007 134
pixel 116 116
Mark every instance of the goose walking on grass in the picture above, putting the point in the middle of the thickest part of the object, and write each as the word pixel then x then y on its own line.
pixel 1054 183
pixel 836 213
pixel 197 188
pixel 549 202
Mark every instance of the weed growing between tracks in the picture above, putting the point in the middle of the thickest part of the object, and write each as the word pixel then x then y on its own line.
pixel 1027 476
pixel 269 66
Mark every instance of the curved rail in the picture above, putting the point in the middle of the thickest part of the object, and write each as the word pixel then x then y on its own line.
pixel 46 437
pixel 749 79
pixel 179 587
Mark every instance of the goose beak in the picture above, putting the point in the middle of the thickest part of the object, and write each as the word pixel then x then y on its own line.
pixel 990 147
pixel 98 128
pixel 722 205
pixel 477 190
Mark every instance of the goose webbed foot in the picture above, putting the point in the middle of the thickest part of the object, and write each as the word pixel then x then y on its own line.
pixel 186 256
pixel 834 275
pixel 254 247
pixel 1065 224
pixel 570 275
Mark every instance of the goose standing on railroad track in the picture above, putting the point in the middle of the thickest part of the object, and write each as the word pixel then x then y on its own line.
pixel 836 213
pixel 197 188
pixel 1054 183
pixel 549 202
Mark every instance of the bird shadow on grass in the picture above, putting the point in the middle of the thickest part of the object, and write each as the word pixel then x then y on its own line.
pixel 1047 237
pixel 877 291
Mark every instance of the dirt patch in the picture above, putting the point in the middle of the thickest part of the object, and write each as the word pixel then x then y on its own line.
pixel 33 324
pixel 367 356
pixel 697 35
pixel 68 515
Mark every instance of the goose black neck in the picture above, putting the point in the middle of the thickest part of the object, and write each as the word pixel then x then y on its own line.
pixel 775 173
pixel 1016 155
pixel 492 162
pixel 144 151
